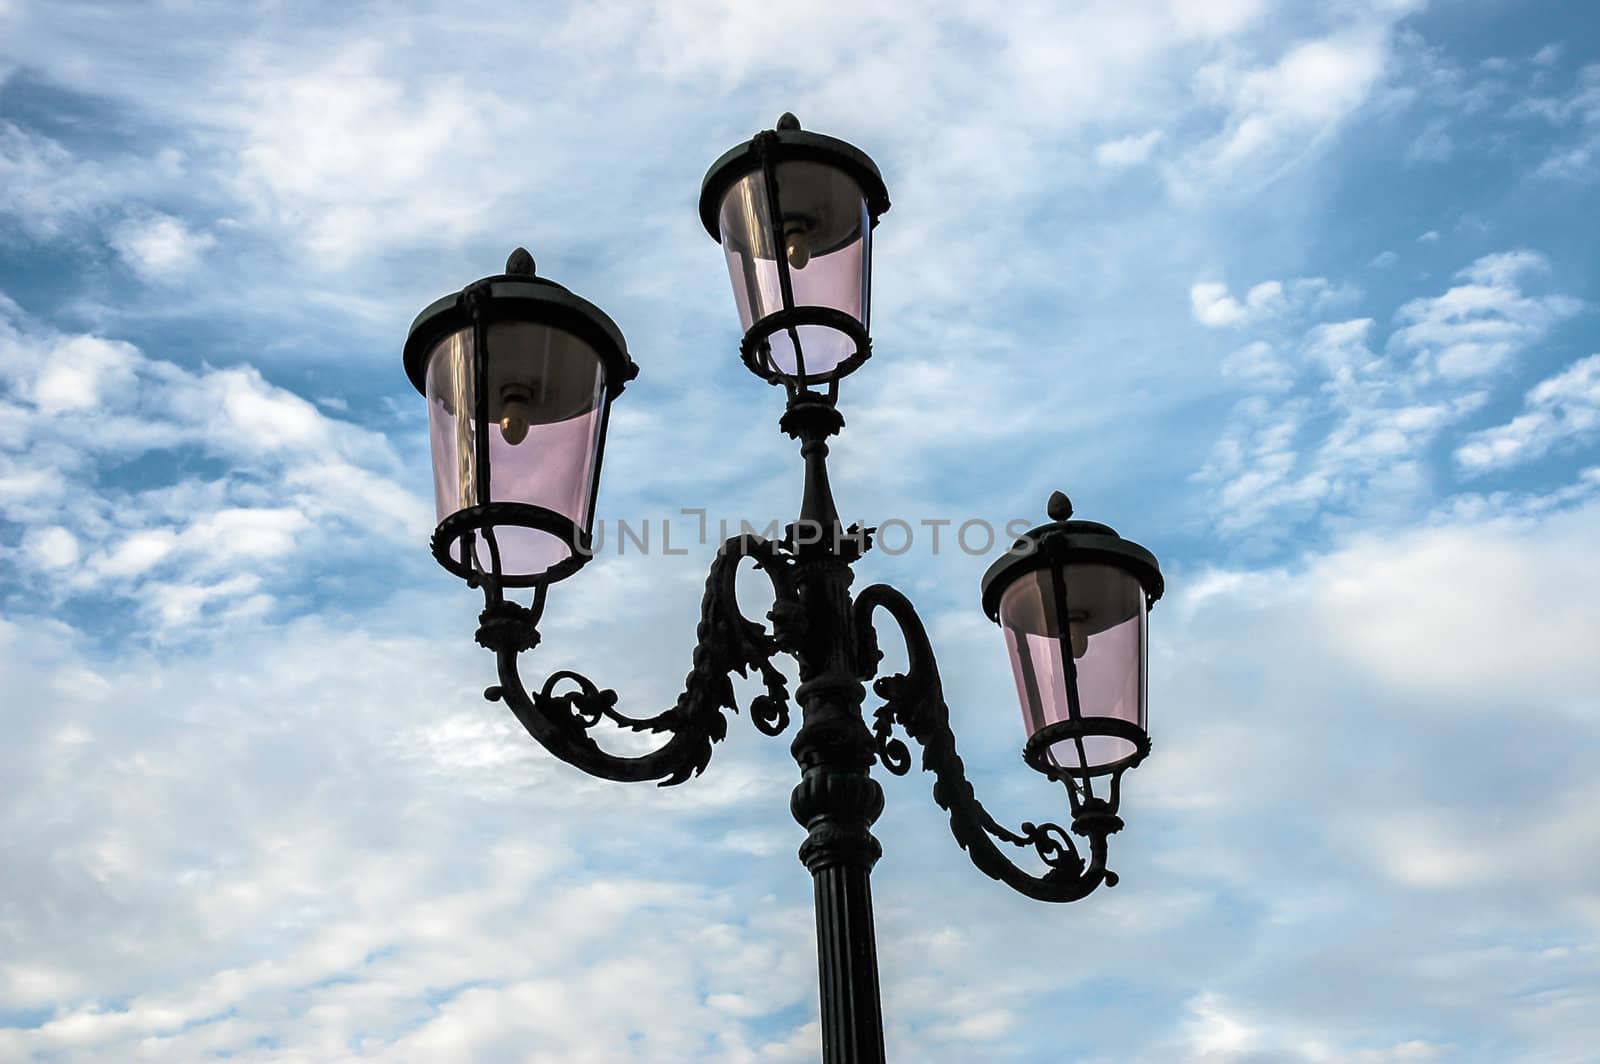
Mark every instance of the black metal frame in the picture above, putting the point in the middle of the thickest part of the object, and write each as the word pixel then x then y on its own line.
pixel 789 143
pixel 1063 541
pixel 765 152
pixel 1052 548
pixel 516 295
pixel 831 636
pixel 756 353
pixel 453 542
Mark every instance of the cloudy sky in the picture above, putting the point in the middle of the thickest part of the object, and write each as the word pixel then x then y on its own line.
pixel 1301 295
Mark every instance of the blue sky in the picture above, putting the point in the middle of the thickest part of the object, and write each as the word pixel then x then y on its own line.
pixel 1301 296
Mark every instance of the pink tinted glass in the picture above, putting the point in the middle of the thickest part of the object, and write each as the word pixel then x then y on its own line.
pixel 826 211
pixel 1107 607
pixel 561 379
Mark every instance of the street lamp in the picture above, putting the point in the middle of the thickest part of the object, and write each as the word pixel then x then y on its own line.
pixel 519 376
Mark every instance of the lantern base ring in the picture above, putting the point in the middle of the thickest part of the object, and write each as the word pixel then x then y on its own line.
pixel 755 352
pixel 1037 752
pixel 451 550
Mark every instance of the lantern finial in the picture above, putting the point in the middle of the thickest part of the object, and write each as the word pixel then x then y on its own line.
pixel 520 263
pixel 787 122
pixel 1059 507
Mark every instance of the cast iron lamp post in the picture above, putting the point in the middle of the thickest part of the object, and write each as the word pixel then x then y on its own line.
pixel 519 376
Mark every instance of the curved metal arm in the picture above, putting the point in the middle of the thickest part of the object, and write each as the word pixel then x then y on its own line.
pixel 726 643
pixel 915 701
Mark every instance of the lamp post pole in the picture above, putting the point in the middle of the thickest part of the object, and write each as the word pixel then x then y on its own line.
pixel 836 800
pixel 520 374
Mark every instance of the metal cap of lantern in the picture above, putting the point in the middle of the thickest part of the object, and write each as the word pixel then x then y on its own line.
pixel 794 213
pixel 519 375
pixel 1073 598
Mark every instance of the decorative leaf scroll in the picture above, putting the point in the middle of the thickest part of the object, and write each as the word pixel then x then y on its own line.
pixel 891 751
pixel 727 643
pixel 915 701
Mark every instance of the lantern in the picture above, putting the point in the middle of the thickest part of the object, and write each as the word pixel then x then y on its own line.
pixel 519 375
pixel 794 212
pixel 1072 598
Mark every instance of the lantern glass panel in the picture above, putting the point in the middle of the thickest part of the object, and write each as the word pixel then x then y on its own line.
pixel 545 413
pixel 1104 637
pixel 826 240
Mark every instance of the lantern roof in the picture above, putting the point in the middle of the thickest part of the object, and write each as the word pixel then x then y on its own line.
pixel 519 295
pixel 789 143
pixel 1063 541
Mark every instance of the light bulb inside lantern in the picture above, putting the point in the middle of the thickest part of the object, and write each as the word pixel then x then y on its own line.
pixel 796 245
pixel 514 416
pixel 1078 635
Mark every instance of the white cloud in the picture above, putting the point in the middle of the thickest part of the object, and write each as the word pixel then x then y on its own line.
pixel 1417 851
pixel 1219 1031
pixel 1578 157
pixel 51 547
pixel 45 185
pixel 1221 18
pixel 1332 424
pixel 291 479
pixel 1281 110
pixel 159 247
pixel 1465 637
pixel 1212 305
pixel 53 192
pixel 1258 366
pixel 1563 409
pixel 239 534
pixel 1576 163
pixel 258 873
pixel 1127 151
pixel 177 606
pixel 80 375
pixel 245 414
pixel 1479 327
pixel 1506 268
pixel 1340 349
pixel 1399 650
pixel 1433 145
pixel 137 554
pixel 313 127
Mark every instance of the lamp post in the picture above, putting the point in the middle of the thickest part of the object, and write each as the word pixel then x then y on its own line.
pixel 519 376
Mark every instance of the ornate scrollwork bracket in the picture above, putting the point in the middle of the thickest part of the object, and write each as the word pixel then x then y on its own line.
pixel 726 643
pixel 914 700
